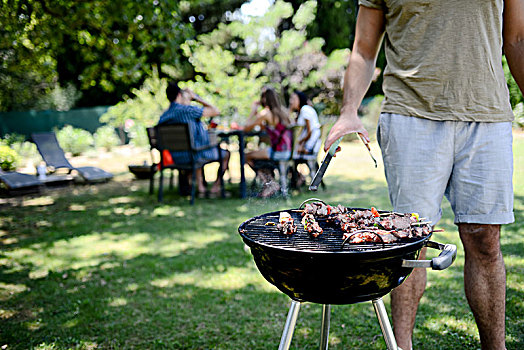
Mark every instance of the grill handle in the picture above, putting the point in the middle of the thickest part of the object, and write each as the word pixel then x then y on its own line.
pixel 441 262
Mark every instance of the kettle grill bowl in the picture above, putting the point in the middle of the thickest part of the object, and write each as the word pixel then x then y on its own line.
pixel 332 277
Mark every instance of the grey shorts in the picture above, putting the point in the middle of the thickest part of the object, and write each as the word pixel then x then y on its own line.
pixel 470 163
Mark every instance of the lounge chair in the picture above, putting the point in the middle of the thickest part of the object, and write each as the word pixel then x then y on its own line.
pixel 15 182
pixel 54 157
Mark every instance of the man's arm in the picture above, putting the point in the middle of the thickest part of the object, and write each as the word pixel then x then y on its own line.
pixel 368 37
pixel 209 109
pixel 513 35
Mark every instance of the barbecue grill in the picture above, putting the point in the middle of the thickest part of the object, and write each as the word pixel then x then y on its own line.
pixel 324 270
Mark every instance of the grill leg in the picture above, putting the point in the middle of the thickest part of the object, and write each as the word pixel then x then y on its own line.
pixel 387 332
pixel 324 333
pixel 289 327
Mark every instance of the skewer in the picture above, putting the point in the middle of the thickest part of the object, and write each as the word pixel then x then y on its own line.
pixel 312 199
pixel 360 231
pixel 367 146
pixel 391 213
pixel 421 223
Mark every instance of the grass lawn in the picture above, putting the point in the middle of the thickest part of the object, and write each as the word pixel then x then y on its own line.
pixel 108 267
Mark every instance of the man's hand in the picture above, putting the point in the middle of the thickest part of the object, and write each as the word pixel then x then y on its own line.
pixel 347 123
pixel 190 94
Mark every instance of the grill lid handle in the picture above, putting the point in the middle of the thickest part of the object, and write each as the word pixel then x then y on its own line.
pixel 441 262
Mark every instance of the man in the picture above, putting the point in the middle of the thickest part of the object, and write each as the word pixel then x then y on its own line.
pixel 445 129
pixel 181 111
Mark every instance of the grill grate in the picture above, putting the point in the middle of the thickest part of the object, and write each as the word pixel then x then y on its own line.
pixel 330 240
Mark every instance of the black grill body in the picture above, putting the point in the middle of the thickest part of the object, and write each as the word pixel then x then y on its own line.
pixel 321 270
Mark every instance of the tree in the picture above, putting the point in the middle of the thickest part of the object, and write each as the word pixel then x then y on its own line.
pixel 100 47
pixel 335 23
pixel 234 61
pixel 231 57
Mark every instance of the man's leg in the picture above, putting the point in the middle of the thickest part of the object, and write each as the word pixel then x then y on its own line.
pixel 485 282
pixel 404 303
pixel 225 163
pixel 200 181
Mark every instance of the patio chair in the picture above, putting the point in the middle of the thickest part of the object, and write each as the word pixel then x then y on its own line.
pixel 54 158
pixel 18 183
pixel 151 135
pixel 176 138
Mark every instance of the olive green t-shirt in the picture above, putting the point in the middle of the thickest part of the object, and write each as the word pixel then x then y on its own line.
pixel 444 59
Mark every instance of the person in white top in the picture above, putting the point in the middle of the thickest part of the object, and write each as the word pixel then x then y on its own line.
pixel 309 140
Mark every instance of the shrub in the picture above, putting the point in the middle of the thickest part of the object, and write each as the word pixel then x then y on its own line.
pixel 59 98
pixel 106 137
pixel 10 139
pixel 138 136
pixel 28 153
pixel 8 158
pixel 74 140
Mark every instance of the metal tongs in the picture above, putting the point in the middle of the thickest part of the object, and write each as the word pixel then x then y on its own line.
pixel 317 179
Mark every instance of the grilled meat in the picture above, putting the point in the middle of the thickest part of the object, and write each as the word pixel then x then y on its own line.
pixel 311 225
pixel 321 210
pixel 364 225
pixel 286 224
pixel 401 222
pixel 361 236
pixel 420 231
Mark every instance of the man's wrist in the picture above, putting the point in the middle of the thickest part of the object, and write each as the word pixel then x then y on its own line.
pixel 348 110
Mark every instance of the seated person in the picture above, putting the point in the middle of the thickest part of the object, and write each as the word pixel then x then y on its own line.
pixel 309 140
pixel 275 121
pixel 181 111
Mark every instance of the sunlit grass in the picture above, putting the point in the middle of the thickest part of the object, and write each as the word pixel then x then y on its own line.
pixel 106 266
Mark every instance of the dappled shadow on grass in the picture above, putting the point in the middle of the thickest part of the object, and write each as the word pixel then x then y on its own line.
pixel 119 270
pixel 125 306
pixel 144 302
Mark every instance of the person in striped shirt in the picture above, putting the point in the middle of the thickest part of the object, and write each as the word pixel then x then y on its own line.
pixel 181 111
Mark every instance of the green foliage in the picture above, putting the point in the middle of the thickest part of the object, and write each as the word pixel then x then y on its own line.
pixel 144 107
pixel 74 140
pixel 138 136
pixel 106 137
pixel 8 158
pixel 515 95
pixel 26 151
pixel 10 139
pixel 335 23
pixel 238 58
pixel 518 111
pixel 59 98
pixel 235 61
pixel 102 47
